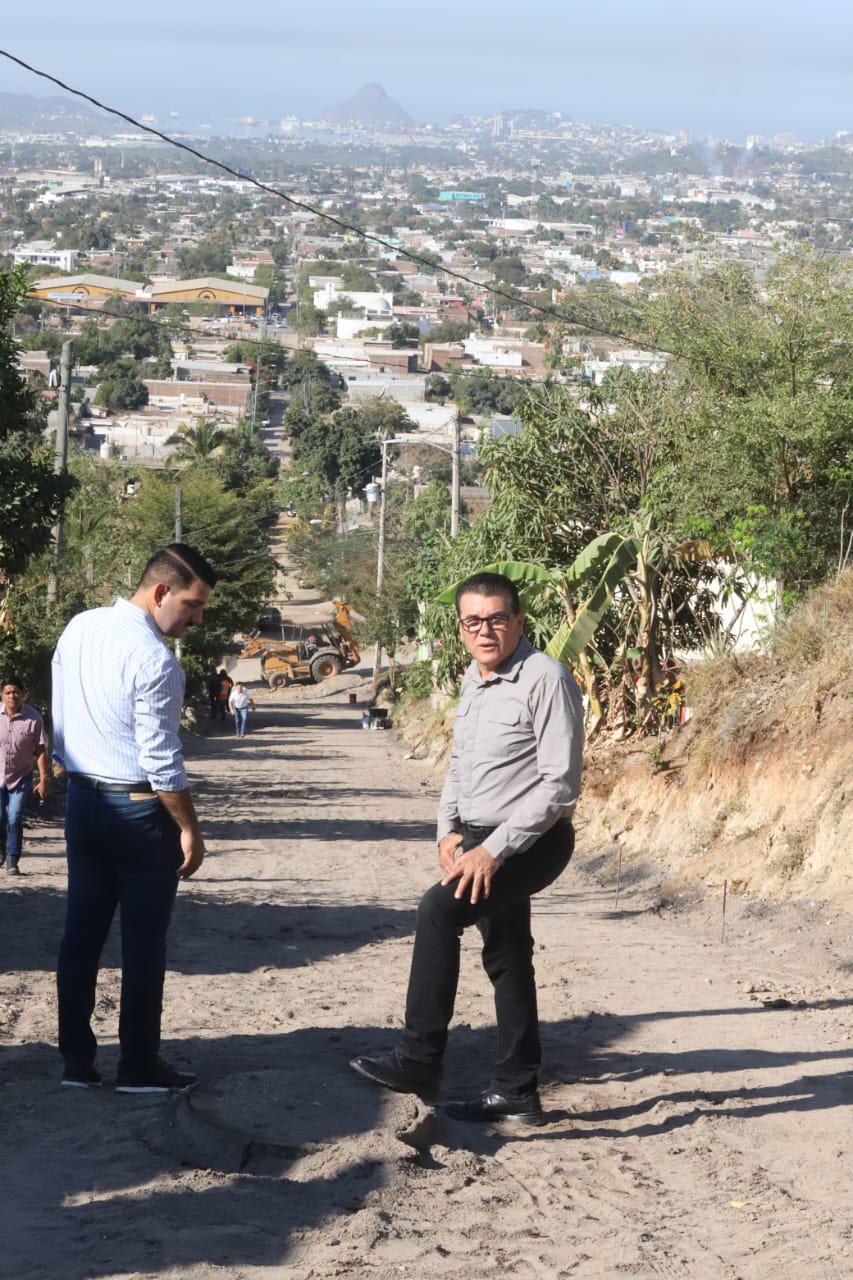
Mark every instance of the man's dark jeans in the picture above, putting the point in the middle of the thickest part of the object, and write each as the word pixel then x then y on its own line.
pixel 504 923
pixel 124 853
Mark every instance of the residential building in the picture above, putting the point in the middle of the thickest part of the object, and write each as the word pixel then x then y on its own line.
pixel 42 252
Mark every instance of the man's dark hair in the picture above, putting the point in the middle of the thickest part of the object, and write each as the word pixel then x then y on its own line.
pixel 10 679
pixel 180 565
pixel 489 584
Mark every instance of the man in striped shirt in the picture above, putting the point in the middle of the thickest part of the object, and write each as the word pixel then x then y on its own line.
pixel 131 827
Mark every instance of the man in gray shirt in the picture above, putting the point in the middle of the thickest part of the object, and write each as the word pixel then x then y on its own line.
pixel 504 834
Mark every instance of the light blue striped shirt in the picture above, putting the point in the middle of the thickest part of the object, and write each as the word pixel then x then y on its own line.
pixel 117 695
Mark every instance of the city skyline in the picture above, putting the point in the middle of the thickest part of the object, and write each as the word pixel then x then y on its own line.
pixel 725 70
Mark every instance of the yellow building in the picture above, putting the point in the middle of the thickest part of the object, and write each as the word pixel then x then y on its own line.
pixel 227 297
pixel 232 297
pixel 85 290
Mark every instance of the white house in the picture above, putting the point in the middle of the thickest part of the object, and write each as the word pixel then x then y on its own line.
pixel 348 327
pixel 628 359
pixel 43 253
pixel 334 291
pixel 494 354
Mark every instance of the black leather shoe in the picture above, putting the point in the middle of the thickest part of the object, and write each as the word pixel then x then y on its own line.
pixel 393 1071
pixel 491 1105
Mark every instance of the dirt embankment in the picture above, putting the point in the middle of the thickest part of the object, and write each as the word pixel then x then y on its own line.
pixel 757 788
pixel 757 792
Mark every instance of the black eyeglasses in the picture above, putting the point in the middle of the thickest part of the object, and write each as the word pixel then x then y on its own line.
pixel 495 622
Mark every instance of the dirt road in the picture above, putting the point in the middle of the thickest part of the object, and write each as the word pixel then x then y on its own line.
pixel 692 1130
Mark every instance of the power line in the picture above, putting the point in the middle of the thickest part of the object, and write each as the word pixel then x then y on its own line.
pixel 494 290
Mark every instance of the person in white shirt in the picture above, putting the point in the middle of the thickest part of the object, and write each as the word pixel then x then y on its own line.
pixel 131 828
pixel 241 704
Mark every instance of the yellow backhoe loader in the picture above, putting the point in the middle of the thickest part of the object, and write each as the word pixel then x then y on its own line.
pixel 313 651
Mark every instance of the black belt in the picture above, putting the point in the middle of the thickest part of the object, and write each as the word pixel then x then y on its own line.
pixel 478 833
pixel 483 833
pixel 98 784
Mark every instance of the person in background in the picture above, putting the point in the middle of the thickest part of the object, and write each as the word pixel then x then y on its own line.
pixel 131 828
pixel 224 686
pixel 241 704
pixel 22 746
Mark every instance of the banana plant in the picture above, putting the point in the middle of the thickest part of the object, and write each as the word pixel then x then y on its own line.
pixel 618 556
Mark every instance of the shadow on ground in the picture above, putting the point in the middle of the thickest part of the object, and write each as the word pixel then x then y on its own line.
pixel 120 1212
pixel 205 925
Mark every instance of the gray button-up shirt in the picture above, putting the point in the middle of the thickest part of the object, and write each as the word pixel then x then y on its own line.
pixel 517 751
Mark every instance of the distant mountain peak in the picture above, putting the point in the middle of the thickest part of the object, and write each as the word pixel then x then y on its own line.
pixel 369 106
pixel 25 112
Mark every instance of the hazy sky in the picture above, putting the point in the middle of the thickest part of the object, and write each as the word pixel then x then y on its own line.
pixel 728 68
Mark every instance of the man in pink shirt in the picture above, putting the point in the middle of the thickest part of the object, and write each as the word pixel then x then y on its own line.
pixel 22 746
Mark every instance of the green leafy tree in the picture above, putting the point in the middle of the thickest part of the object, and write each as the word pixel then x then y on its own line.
pixel 769 377
pixel 314 390
pixel 210 256
pixel 271 356
pixel 41 340
pixel 437 387
pixel 31 493
pixel 509 269
pixel 17 403
pixel 344 451
pixel 269 277
pixel 342 567
pixel 382 417
pixel 309 320
pixel 482 392
pixel 245 462
pixel 31 496
pixel 448 331
pixel 232 530
pixel 357 278
pixel 136 336
pixel 304 365
pixel 402 335
pixel 123 389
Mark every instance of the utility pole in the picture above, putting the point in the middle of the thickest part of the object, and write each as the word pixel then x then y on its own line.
pixel 179 537
pixel 454 490
pixel 179 513
pixel 380 553
pixel 60 464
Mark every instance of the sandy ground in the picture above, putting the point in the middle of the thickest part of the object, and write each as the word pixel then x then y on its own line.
pixel 692 1131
